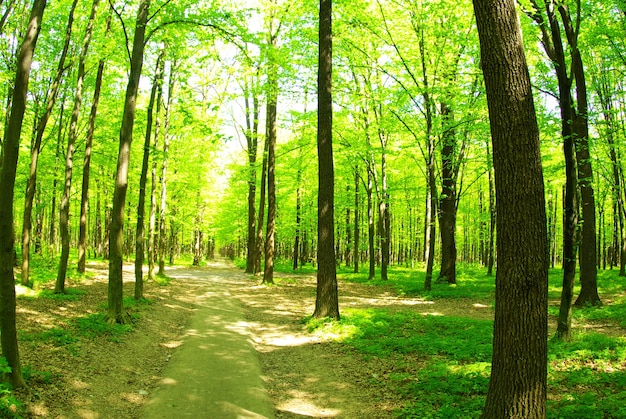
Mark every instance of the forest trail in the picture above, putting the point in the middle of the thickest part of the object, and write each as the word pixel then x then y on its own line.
pixel 215 372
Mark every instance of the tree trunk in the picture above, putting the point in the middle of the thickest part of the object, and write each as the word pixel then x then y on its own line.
pixel 296 244
pixel 166 152
pixel 370 226
pixel 64 214
pixel 143 180
pixel 447 200
pixel 115 312
pixel 259 225
pixel 31 186
pixel 84 200
pixel 55 182
pixel 580 127
pixel 252 140
pixel 326 302
pixel 10 151
pixel 357 232
pixel 272 99
pixel 517 388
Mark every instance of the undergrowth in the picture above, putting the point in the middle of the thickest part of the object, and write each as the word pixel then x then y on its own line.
pixel 448 375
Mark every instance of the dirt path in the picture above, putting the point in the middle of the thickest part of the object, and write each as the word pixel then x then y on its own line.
pixel 189 345
pixel 215 372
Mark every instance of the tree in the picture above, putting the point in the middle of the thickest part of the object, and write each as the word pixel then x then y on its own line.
pixel 517 387
pixel 115 312
pixel 31 185
pixel 327 302
pixel 139 233
pixel 10 150
pixel 64 215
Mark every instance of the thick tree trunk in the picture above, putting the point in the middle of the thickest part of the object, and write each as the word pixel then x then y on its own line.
pixel 64 214
pixel 143 180
pixel 115 312
pixel 447 200
pixel 326 302
pixel 10 151
pixel 31 185
pixel 580 127
pixel 517 388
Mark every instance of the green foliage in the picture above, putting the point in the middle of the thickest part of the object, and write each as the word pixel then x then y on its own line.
pixel 97 325
pixel 71 294
pixel 10 406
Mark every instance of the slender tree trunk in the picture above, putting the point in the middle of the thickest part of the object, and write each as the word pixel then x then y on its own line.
pixel 64 214
pixel 259 226
pixel 10 151
pixel 357 232
pixel 296 244
pixel 327 302
pixel 431 214
pixel 252 139
pixel 52 238
pixel 31 186
pixel 492 215
pixel 370 226
pixel 517 388
pixel 115 312
pixel 84 200
pixel 143 180
pixel 166 152
pixel 270 234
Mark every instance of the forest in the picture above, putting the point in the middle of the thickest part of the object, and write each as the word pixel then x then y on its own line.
pixel 162 132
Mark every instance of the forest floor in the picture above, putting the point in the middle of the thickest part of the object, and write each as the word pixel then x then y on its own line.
pixel 78 368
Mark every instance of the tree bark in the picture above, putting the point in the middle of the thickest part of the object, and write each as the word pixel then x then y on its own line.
pixel 447 199
pixel 517 388
pixel 580 127
pixel 252 140
pixel 326 302
pixel 270 234
pixel 143 180
pixel 166 152
pixel 115 312
pixel 64 214
pixel 84 200
pixel 31 185
pixel 10 152
pixel 357 232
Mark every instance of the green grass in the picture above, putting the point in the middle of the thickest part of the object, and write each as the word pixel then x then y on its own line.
pixel 586 377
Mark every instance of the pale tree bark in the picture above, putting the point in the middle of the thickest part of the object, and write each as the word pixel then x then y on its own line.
pixel 10 151
pixel 64 215
pixel 171 84
pixel 31 185
pixel 327 301
pixel 252 142
pixel 115 311
pixel 143 180
pixel 517 388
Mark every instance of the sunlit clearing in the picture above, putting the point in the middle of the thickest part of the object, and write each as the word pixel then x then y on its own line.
pixel 306 408
pixel 478 305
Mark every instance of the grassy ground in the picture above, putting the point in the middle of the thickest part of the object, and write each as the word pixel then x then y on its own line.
pixel 442 363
